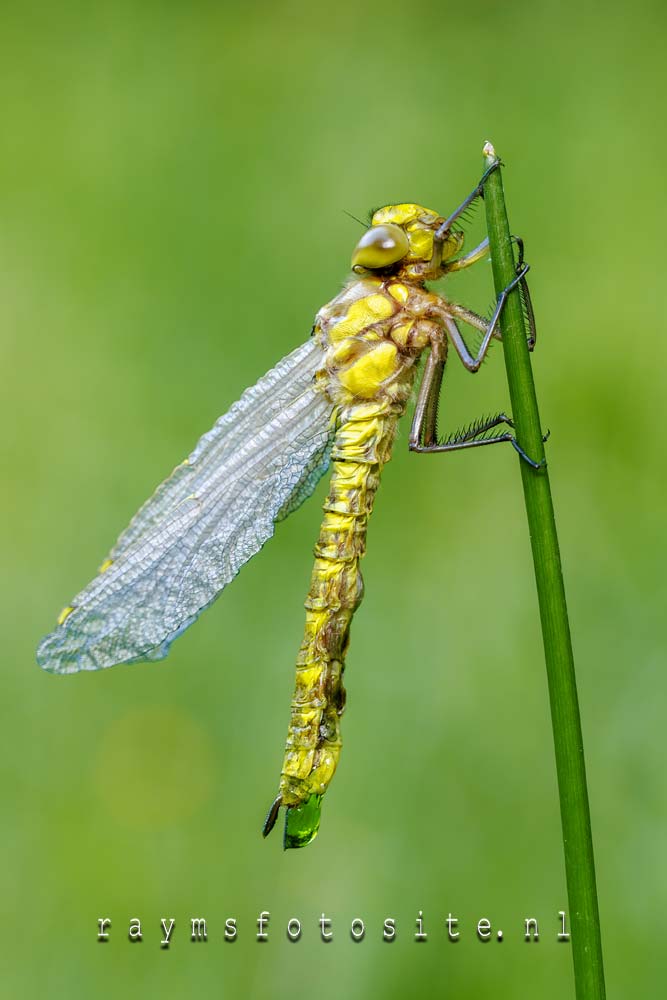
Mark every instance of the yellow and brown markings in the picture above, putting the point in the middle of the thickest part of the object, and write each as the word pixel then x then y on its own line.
pixel 314 742
pixel 372 333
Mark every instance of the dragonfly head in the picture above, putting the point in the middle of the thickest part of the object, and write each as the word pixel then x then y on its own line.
pixel 401 241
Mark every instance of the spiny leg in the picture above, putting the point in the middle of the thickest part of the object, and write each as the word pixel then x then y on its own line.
pixel 481 250
pixel 472 318
pixel 444 229
pixel 470 361
pixel 424 430
pixel 468 316
pixel 526 300
pixel 424 434
pixel 468 439
pixel 489 328
pixel 477 192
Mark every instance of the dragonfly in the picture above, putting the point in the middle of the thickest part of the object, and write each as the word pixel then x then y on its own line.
pixel 334 402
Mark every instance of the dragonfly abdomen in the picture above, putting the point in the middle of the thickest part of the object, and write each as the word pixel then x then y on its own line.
pixel 336 589
pixel 367 375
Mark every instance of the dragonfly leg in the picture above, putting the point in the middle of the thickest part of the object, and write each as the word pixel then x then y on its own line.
pixel 525 297
pixel 444 229
pixel 468 259
pixel 478 253
pixel 489 328
pixel 477 192
pixel 424 434
pixel 481 250
pixel 502 299
pixel 469 438
pixel 468 316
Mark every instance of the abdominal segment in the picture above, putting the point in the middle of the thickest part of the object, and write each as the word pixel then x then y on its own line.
pixel 336 588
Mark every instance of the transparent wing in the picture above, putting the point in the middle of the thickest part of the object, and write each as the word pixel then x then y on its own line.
pixel 216 510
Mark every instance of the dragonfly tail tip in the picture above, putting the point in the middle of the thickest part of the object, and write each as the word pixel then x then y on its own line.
pixel 272 816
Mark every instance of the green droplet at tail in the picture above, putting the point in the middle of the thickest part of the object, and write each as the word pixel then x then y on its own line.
pixel 301 822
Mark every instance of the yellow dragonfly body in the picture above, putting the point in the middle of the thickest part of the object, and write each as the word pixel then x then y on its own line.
pixel 371 336
pixel 335 400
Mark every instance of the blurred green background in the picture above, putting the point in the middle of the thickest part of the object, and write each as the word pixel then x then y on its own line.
pixel 173 182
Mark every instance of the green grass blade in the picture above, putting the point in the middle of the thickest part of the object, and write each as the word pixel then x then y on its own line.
pixel 568 743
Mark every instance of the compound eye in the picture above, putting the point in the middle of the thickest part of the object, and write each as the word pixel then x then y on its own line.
pixel 380 246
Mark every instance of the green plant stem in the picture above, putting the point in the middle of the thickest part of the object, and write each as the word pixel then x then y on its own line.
pixel 568 743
